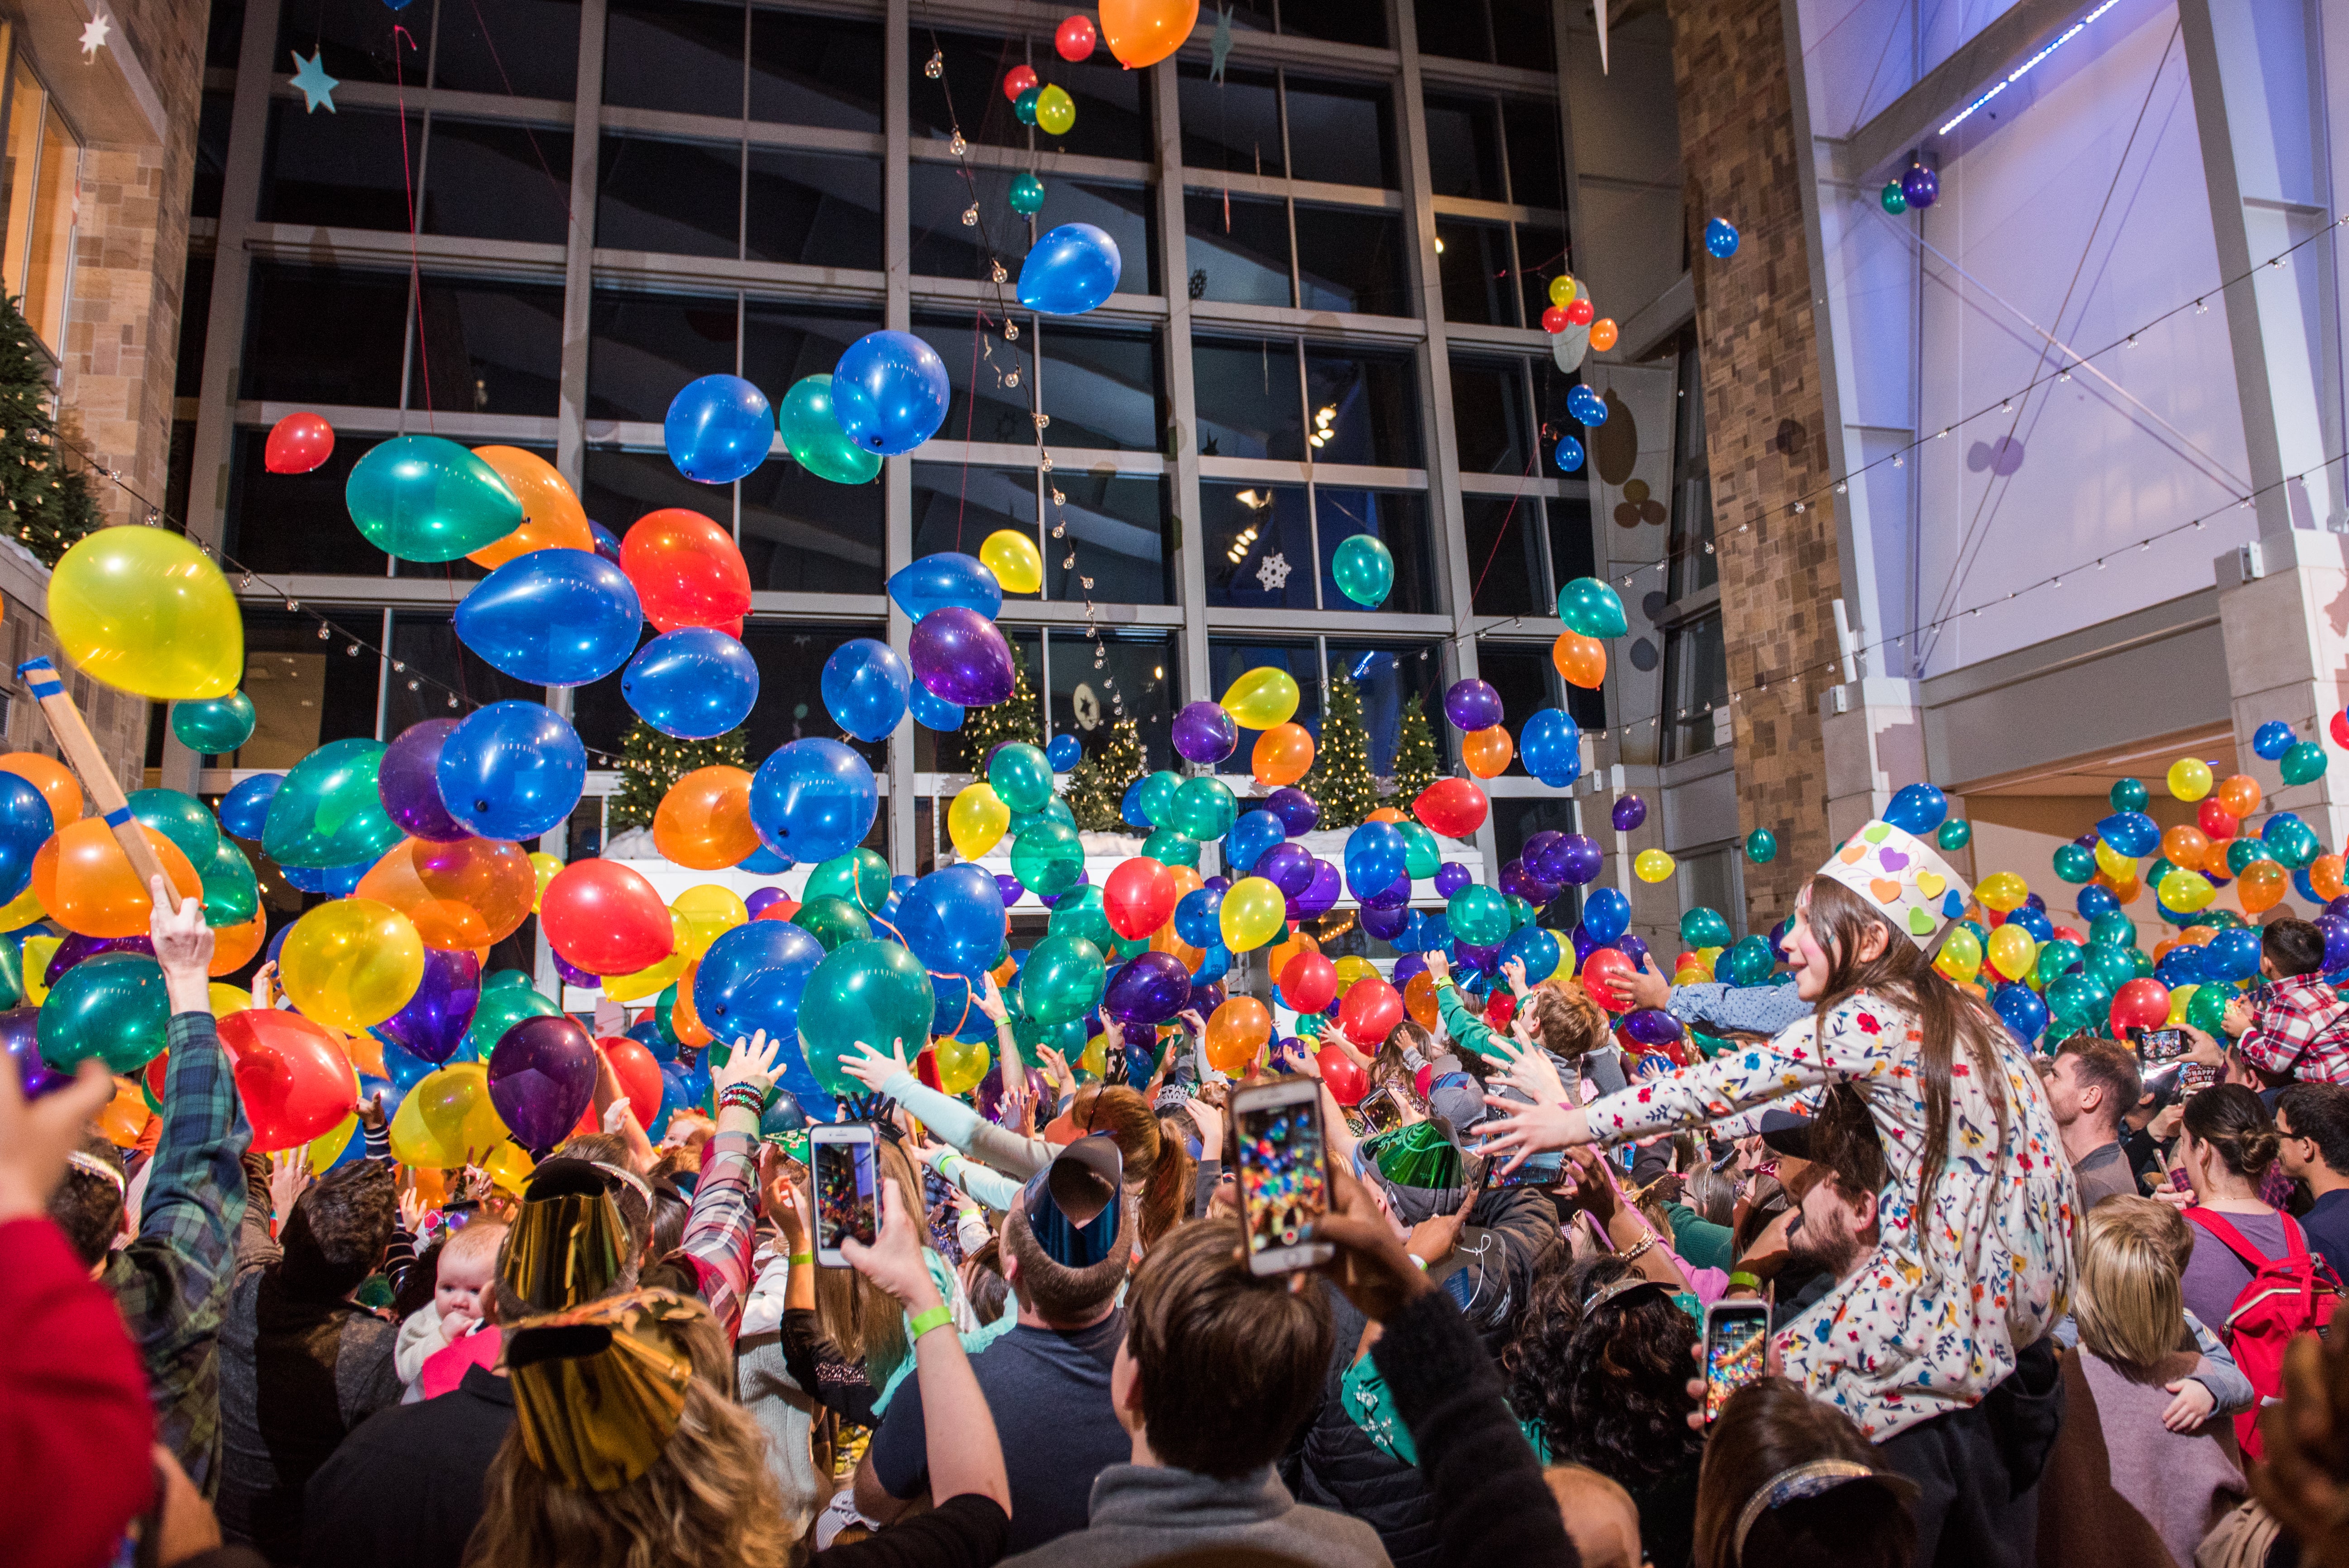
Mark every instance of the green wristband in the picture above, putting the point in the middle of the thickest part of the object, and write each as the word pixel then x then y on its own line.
pixel 1741 1280
pixel 801 1260
pixel 923 1321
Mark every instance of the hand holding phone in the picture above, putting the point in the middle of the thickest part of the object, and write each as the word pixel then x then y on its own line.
pixel 847 1189
pixel 1284 1173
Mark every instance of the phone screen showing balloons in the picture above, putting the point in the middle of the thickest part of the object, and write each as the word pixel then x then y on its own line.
pixel 2156 1046
pixel 847 1195
pixel 1284 1175
pixel 1381 1112
pixel 1736 1339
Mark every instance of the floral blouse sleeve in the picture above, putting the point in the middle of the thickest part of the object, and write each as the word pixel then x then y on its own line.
pixel 1862 1040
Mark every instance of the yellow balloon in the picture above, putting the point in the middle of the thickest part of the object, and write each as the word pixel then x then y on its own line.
pixel 2002 891
pixel 1652 866
pixel 1254 912
pixel 961 1064
pixel 2189 779
pixel 2185 891
pixel 508 1167
pixel 227 999
pixel 710 911
pixel 1351 969
pixel 2179 995
pixel 323 1151
pixel 1011 556
pixel 2013 952
pixel 446 1114
pixel 21 911
pixel 2114 865
pixel 653 981
pixel 352 962
pixel 145 611
pixel 1562 290
pixel 1262 699
pixel 39 951
pixel 1095 1060
pixel 543 866
pixel 977 820
pixel 1962 957
pixel 1056 111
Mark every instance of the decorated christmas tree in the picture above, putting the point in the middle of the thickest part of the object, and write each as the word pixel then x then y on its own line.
pixel 1340 781
pixel 44 502
pixel 650 762
pixel 1417 764
pixel 985 729
pixel 1097 786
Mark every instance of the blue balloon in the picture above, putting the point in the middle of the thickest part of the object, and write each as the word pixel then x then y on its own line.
pixel 552 617
pixel 763 862
pixel 751 979
pixel 889 392
pixel 864 685
pixel 948 577
pixel 813 800
pixel 1585 406
pixel 1376 854
pixel 2033 921
pixel 1606 915
pixel 2092 902
pixel 1538 949
pixel 1069 270
pixel 2131 833
pixel 1570 454
pixel 1197 916
pixel 1551 744
pixel 1130 807
pixel 2021 1010
pixel 25 824
pixel 1917 809
pixel 953 920
pixel 511 770
pixel 244 809
pixel 693 683
pixel 718 429
pixel 2303 885
pixel 1250 837
pixel 2272 739
pixel 1214 962
pixel 1065 752
pixel 401 1067
pixel 933 712
pixel 2234 954
pixel 1721 243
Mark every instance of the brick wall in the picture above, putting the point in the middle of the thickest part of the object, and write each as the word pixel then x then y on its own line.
pixel 1765 422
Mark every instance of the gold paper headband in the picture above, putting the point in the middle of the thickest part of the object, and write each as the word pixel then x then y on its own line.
pixel 563 1250
pixel 94 1166
pixel 599 1390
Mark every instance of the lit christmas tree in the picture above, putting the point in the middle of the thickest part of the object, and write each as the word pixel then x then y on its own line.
pixel 650 762
pixel 1097 785
pixel 45 503
pixel 985 729
pixel 1340 781
pixel 1417 764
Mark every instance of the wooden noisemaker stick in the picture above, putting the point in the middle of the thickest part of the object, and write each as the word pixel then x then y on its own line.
pixel 82 755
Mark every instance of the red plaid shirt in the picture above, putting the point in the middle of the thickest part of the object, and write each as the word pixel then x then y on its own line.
pixel 2301 1029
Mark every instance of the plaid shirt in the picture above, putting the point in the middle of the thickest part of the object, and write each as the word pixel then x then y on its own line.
pixel 2301 1028
pixel 172 1282
pixel 721 1229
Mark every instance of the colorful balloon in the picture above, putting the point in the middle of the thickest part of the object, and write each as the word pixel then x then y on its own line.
pixel 425 498
pixel 1262 699
pixel 958 654
pixel 1454 807
pixel 145 611
pixel 352 962
pixel 605 917
pixel 687 571
pixel 718 429
pixel 112 1006
pixel 976 820
pixel 1282 754
pixel 704 821
pixel 1144 32
pixel 1011 554
pixel 298 444
pixel 542 1079
pixel 552 516
pixel 214 726
pixel 944 578
pixel 511 770
pixel 1363 568
pixel 552 617
pixel 864 685
pixel 1591 609
pixel 86 884
pixel 1236 1032
pixel 812 433
pixel 813 799
pixel 889 392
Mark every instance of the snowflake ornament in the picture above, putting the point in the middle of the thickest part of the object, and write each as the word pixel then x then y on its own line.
pixel 1273 572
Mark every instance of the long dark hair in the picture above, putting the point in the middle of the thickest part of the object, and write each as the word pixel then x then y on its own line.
pixel 1839 918
pixel 1607 1385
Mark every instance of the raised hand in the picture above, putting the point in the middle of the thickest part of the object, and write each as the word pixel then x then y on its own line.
pixel 873 1069
pixel 753 1062
pixel 990 999
pixel 183 947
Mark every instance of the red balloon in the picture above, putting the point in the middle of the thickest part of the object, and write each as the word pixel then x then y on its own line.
pixel 1580 312
pixel 1607 975
pixel 1018 80
pixel 2218 823
pixel 1138 897
pixel 1309 983
pixel 298 443
pixel 781 909
pixel 1345 1079
pixel 1553 319
pixel 295 1078
pixel 1074 38
pixel 687 571
pixel 1501 1008
pixel 2339 727
pixel 1370 1012
pixel 1453 807
pixel 2140 1004
pixel 639 1073
pixel 604 917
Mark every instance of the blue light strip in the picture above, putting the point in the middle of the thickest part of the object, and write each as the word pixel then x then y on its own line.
pixel 2065 37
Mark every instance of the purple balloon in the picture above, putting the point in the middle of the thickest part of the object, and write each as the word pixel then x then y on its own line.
pixel 1150 989
pixel 2339 908
pixel 1203 732
pixel 1632 946
pixel 433 1024
pixel 1470 956
pixel 408 782
pixel 1386 925
pixel 1544 855
pixel 760 898
pixel 1218 884
pixel 1629 813
pixel 1409 964
pixel 542 1079
pixel 1451 877
pixel 1008 887
pixel 1652 1026
pixel 1287 866
pixel 571 974
pixel 958 654
pixel 1298 810
pixel 1322 893
pixel 1585 945
pixel 1520 881
pixel 1580 860
pixel 991 1088
pixel 1472 705
pixel 2336 941
pixel 76 948
pixel 1396 894
pixel 20 1042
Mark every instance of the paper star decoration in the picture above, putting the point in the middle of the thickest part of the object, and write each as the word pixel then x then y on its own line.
pixel 316 85
pixel 1221 44
pixel 93 36
pixel 1273 572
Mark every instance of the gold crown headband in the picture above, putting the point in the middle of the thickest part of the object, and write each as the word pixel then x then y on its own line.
pixel 563 1250
pixel 599 1390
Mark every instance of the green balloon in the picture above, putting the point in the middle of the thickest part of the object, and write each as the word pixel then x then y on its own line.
pixel 1894 200
pixel 2295 845
pixel 1053 811
pixel 1955 834
pixel 2303 764
pixel 667 1030
pixel 12 975
pixel 231 894
pixel 1158 797
pixel 2075 864
pixel 871 991
pixel 1062 979
pixel 2208 1007
pixel 327 813
pixel 2127 795
pixel 1021 777
pixel 214 725
pixel 112 1007
pixel 1590 607
pixel 498 979
pixel 833 922
pixel 1081 911
pixel 2074 1004
pixel 501 1008
pixel 2112 929
pixel 2056 958
pixel 1478 915
pixel 1024 107
pixel 1027 194
pixel 1521 913
pixel 814 437
pixel 1047 859
pixel 1703 927
pixel 2140 959
pixel 1202 808
pixel 1761 846
pixel 1363 569
pixel 1169 848
pixel 1748 962
pixel 427 498
pixel 1068 1037
pixel 859 876
pixel 187 821
pixel 2109 967
pixel 2242 853
pixel 1423 857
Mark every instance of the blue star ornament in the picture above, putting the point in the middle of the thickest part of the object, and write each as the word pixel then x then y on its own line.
pixel 316 85
pixel 1221 44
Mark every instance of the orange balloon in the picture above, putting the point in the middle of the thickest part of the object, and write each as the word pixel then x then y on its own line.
pixel 2324 876
pixel 1187 880
pixel 704 821
pixel 1236 1031
pixel 2196 936
pixel 1581 660
pixel 683 1021
pixel 552 517
pixel 234 945
pixel 2239 796
pixel 1282 754
pixel 428 1183
pixel 1487 752
pixel 85 881
pixel 53 779
pixel 1297 943
pixel 1385 814
pixel 124 1116
pixel 1144 32
pixel 2262 885
pixel 2184 845
pixel 467 894
pixel 1419 999
pixel 1603 333
pixel 365 1050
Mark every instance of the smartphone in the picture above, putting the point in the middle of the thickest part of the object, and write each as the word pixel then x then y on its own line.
pixel 1381 1111
pixel 1284 1173
pixel 2156 1046
pixel 847 1188
pixel 1541 1171
pixel 1736 1340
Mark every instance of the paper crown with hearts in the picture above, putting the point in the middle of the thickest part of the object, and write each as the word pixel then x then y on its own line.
pixel 1901 878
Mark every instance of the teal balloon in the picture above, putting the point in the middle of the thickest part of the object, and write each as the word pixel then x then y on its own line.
pixel 2112 929
pixel 1047 859
pixel 2075 864
pixel 833 921
pixel 2127 795
pixel 2108 966
pixel 232 892
pixel 1521 913
pixel 1591 608
pixel 1422 856
pixel 1061 980
pixel 1761 846
pixel 1030 1037
pixel 1363 569
pixel 1748 962
pixel 327 813
pixel 859 876
pixel 1021 777
pixel 1954 834
pixel 112 1006
pixel 214 726
pixel 1537 949
pixel 1083 912
pixel 497 979
pixel 2056 959
pixel 1703 927
pixel 1158 797
pixel 1202 809
pixel 500 1009
pixel 427 498
pixel 1024 107
pixel 871 991
pixel 2303 764
pixel 183 818
pixel 1027 196
pixel 812 431
pixel 1478 914
pixel 2242 853
pixel 2207 1008
pixel 1053 811
pixel 1169 848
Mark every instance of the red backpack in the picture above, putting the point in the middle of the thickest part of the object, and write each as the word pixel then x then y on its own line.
pixel 2284 1298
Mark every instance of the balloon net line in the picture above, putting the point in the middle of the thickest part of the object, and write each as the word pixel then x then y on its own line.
pixel 408 177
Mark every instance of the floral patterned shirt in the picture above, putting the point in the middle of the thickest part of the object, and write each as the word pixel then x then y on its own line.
pixel 1935 1315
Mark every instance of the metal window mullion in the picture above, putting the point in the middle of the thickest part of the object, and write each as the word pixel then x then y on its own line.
pixel 897 472
pixel 579 248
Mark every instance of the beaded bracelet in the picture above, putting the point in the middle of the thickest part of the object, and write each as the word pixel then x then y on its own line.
pixel 743 1095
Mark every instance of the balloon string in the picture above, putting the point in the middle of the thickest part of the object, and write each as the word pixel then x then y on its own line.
pixel 969 414
pixel 408 175
pixel 1508 517
pixel 562 190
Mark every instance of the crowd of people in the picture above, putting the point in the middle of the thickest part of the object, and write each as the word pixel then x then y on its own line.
pixel 2058 1307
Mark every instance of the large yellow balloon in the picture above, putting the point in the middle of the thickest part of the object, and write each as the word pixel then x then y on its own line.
pixel 1652 866
pixel 328 1146
pixel 1261 698
pixel 552 517
pixel 1961 957
pixel 2013 952
pixel 145 611
pixel 710 911
pixel 447 1117
pixel 961 1064
pixel 1254 912
pixel 2185 891
pixel 1011 556
pixel 977 820
pixel 2002 891
pixel 352 962
pixel 1351 969
pixel 2189 779
pixel 1144 32
pixel 1056 111
pixel 2114 865
pixel 227 999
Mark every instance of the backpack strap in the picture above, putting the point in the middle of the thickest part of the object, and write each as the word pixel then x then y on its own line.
pixel 2296 1250
pixel 2252 1258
